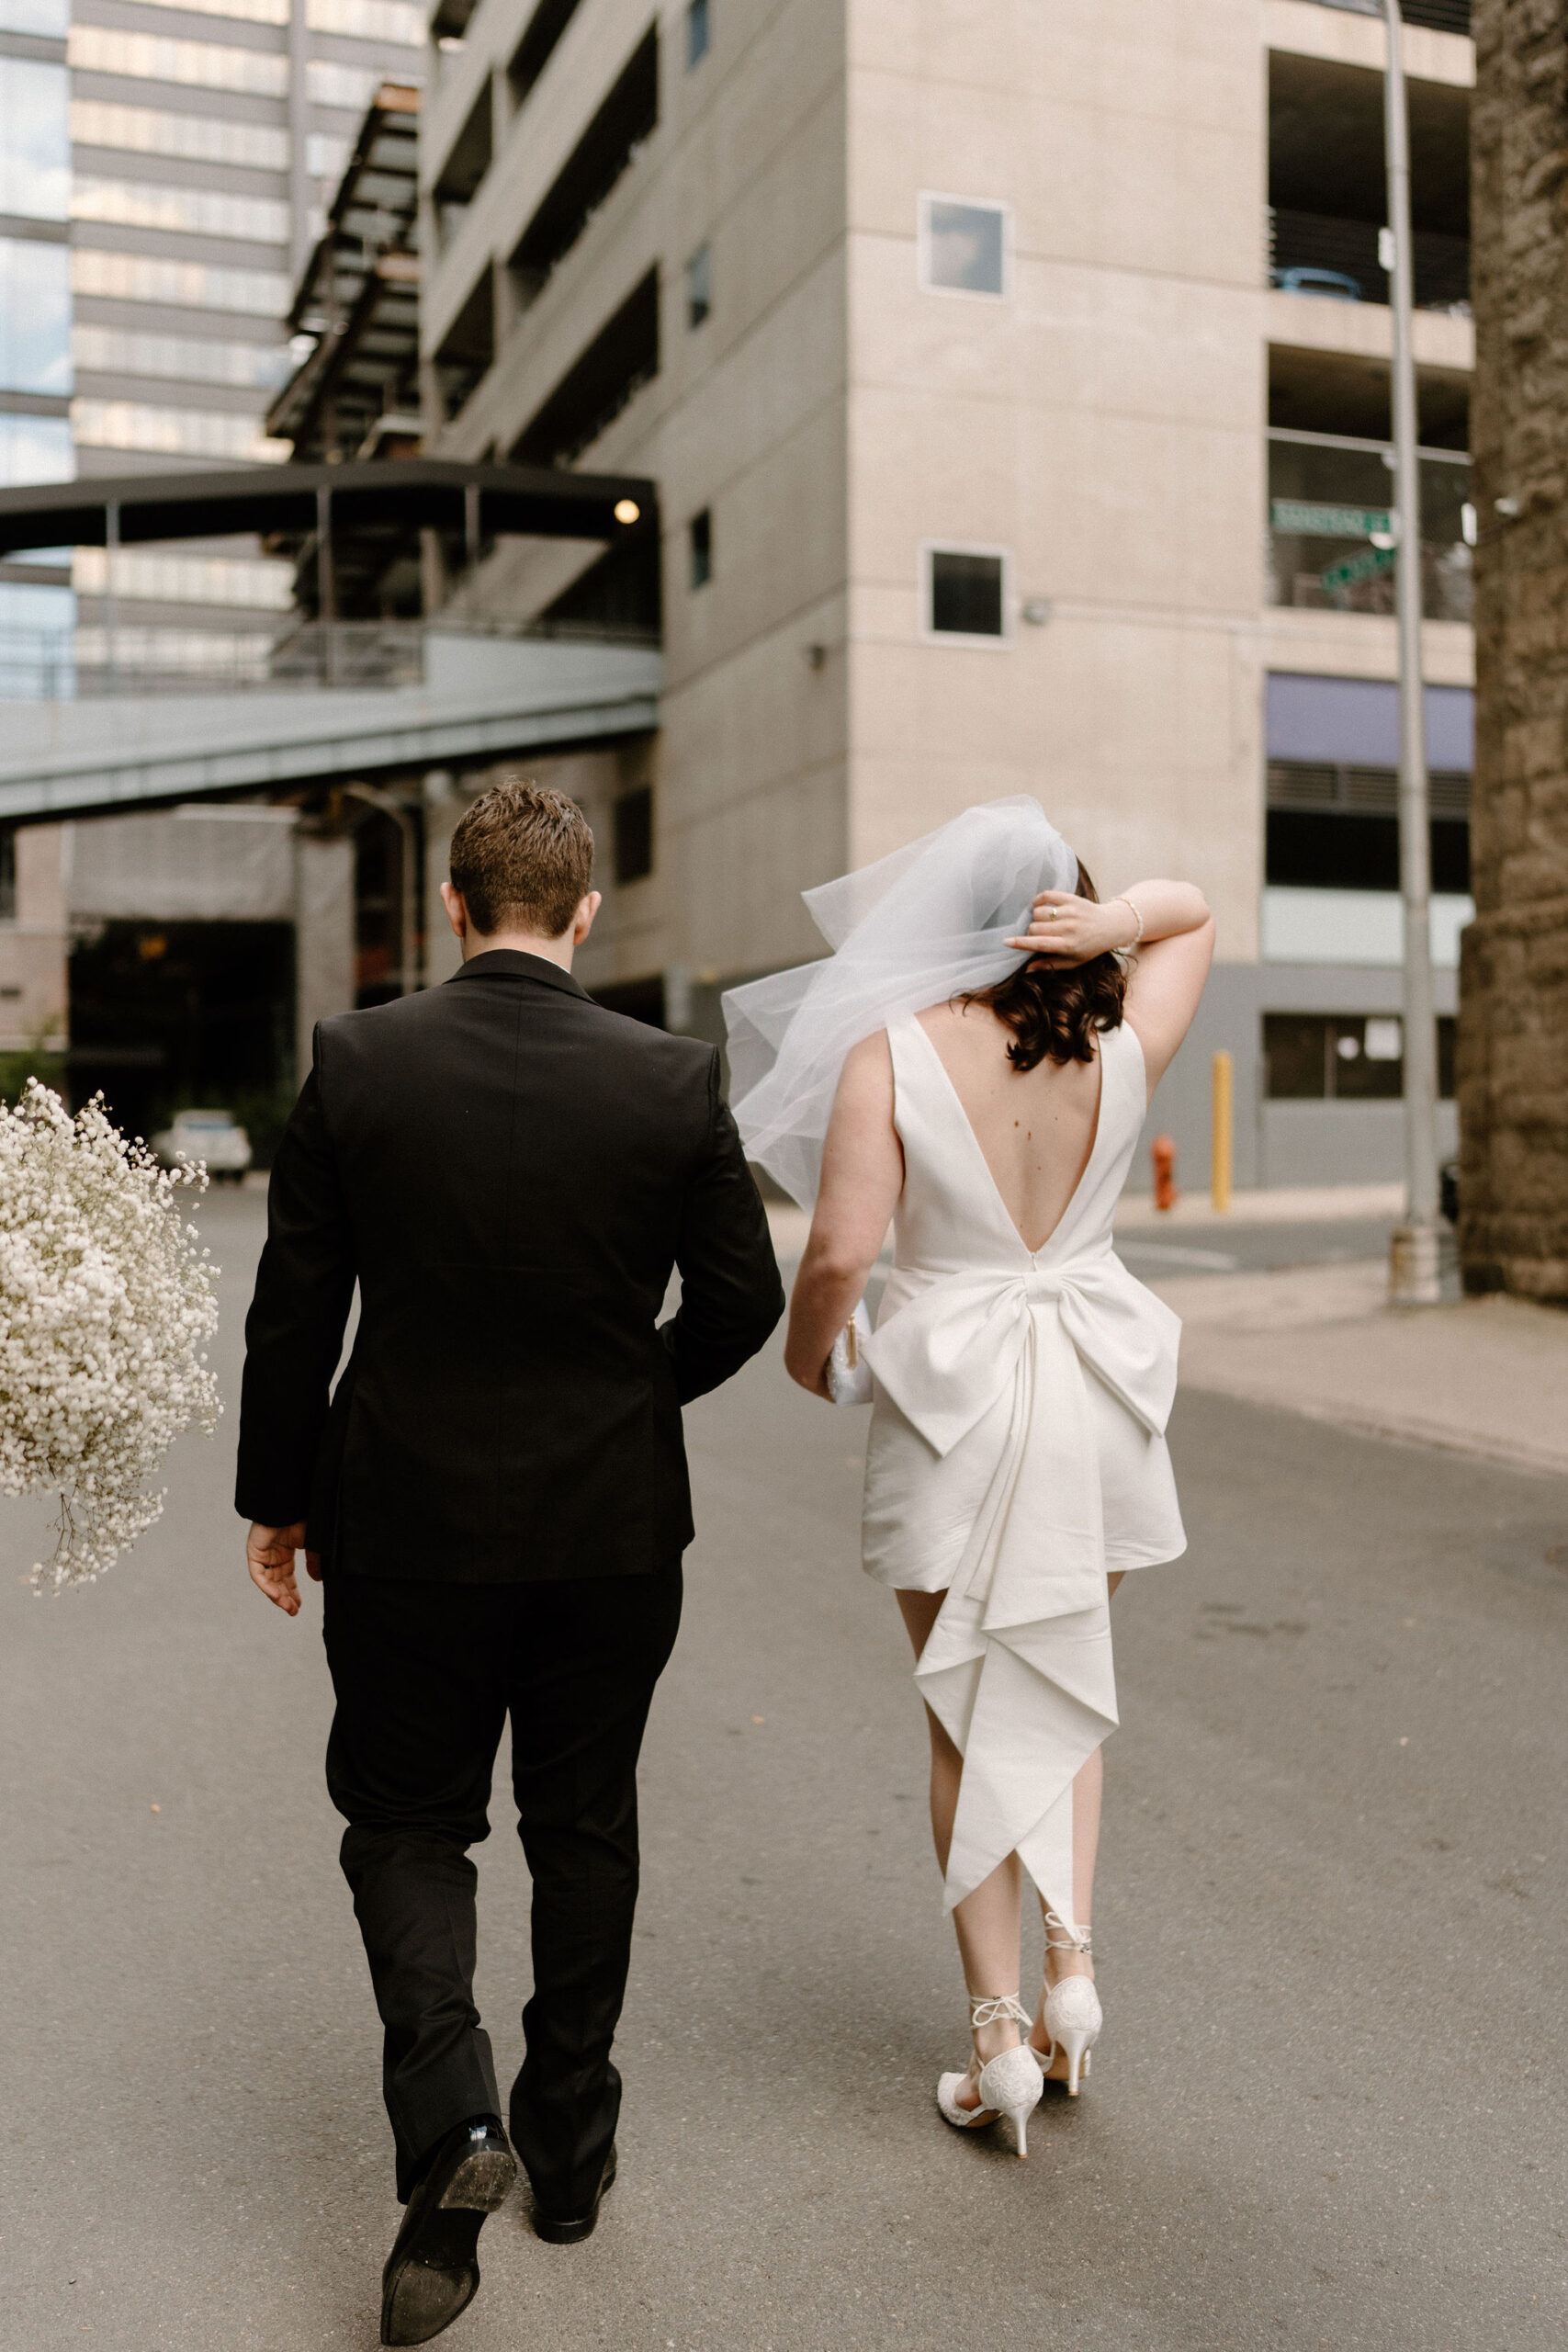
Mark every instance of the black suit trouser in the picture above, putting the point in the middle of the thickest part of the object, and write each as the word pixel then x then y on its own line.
pixel 425 1676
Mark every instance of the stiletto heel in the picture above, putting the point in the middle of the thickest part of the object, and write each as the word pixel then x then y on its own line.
pixel 1008 2084
pixel 1073 2015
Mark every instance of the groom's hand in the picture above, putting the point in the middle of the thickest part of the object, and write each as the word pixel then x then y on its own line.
pixel 269 1556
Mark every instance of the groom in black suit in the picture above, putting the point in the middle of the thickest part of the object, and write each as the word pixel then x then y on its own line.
pixel 496 1496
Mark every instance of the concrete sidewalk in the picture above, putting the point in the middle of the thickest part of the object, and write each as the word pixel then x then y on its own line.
pixel 1486 1376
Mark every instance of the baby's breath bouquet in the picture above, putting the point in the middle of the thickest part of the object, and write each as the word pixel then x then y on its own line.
pixel 104 1310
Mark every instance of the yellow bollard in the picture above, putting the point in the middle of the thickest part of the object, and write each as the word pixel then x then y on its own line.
pixel 1219 1151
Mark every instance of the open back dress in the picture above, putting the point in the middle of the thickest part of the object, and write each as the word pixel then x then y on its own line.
pixel 1016 1456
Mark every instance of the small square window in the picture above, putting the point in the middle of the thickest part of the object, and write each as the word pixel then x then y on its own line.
pixel 967 591
pixel 697 33
pixel 962 246
pixel 700 535
pixel 699 287
pixel 634 834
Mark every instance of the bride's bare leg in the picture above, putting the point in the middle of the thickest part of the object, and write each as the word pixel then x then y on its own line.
pixel 1087 1789
pixel 987 1921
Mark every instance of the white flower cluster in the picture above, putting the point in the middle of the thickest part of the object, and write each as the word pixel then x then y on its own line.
pixel 105 1307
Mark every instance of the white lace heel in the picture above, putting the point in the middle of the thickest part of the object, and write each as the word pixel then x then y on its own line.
pixel 1073 2015
pixel 1008 2084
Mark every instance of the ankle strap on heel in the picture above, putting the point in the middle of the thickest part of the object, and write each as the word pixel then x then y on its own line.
pixel 1059 1936
pixel 996 2008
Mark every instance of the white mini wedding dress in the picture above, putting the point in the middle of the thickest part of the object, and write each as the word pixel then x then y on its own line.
pixel 1017 1455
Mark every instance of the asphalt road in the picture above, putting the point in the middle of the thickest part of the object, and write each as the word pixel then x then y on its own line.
pixel 1328 2107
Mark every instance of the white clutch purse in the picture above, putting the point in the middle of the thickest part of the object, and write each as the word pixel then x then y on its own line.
pixel 848 1374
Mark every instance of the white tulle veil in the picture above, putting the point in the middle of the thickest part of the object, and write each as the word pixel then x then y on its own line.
pixel 911 930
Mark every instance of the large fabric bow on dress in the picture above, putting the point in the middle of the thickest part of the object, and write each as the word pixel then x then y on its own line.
pixel 1018 1666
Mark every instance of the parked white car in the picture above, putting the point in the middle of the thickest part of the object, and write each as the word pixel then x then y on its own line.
pixel 215 1136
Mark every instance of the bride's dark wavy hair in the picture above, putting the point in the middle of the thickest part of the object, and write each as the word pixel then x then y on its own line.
pixel 1053 1014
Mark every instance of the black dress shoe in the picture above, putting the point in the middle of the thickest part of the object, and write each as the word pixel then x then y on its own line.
pixel 561 2229
pixel 432 2273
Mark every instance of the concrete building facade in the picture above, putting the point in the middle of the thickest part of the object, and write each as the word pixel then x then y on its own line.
pixel 1016 382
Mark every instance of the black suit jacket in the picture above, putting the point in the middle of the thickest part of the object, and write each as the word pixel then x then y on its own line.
pixel 510 1172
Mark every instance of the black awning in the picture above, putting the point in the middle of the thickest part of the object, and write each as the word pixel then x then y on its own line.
pixel 409 493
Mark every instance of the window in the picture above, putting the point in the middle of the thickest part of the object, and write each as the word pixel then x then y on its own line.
pixel 200 138
pixel 326 156
pixel 138 277
pixel 966 592
pixel 49 17
pixel 35 142
pixel 97 48
pixel 35 448
pixel 35 317
pixel 698 33
pixel 699 289
pixel 36 649
pixel 699 534
pixel 350 87
pixel 634 834
pixel 256 367
pixel 185 579
pixel 183 211
pixel 176 432
pixel 381 20
pixel 962 246
pixel 1352 1057
pixel 7 874
pixel 1338 828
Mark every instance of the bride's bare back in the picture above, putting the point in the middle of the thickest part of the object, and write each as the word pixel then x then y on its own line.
pixel 1035 1128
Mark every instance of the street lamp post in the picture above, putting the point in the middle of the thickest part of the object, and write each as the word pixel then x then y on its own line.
pixel 1413 1257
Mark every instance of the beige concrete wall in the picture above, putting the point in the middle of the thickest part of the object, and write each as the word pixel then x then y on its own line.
pixel 745 418
pixel 1102 423
pixel 33 948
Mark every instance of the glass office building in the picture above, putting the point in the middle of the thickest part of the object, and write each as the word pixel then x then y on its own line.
pixel 162 178
pixel 36 606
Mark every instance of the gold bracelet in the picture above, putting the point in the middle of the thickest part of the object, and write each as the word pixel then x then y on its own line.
pixel 1123 900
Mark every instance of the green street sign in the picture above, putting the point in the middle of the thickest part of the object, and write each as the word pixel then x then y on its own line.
pixel 1365 566
pixel 1307 518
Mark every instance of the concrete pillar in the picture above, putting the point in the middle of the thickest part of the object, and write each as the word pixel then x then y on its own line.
pixel 443 804
pixel 324 936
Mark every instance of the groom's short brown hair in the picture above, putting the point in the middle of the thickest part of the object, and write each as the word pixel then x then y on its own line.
pixel 523 858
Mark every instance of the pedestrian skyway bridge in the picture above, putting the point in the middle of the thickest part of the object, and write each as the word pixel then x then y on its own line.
pixel 479 697
pixel 334 699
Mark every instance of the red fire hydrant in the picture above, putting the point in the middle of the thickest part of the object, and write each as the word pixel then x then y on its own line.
pixel 1162 1151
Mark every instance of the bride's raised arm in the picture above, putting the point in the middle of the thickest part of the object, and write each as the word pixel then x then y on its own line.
pixel 863 1173
pixel 1169 931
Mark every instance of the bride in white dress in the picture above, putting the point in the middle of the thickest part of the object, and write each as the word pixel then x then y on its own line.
pixel 973 1063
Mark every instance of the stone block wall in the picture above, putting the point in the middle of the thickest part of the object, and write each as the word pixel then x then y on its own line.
pixel 1513 1034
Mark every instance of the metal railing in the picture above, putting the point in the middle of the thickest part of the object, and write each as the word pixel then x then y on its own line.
pixel 73 665
pixel 1437 16
pixel 1332 532
pixel 1317 253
